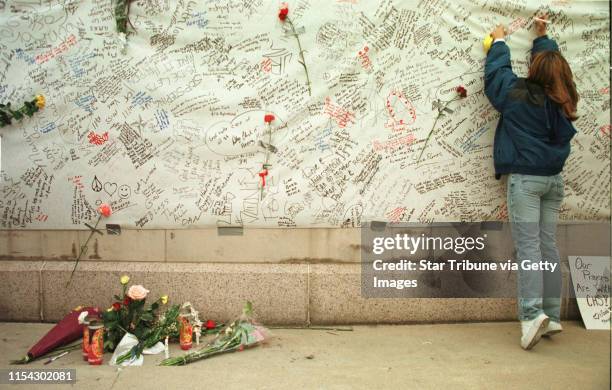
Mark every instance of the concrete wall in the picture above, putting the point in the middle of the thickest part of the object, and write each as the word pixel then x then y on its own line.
pixel 293 276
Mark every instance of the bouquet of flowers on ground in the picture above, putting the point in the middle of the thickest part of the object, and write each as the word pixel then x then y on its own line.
pixel 165 327
pixel 242 333
pixel 129 314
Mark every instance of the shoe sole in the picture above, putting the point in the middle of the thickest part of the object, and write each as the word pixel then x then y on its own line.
pixel 538 334
pixel 551 332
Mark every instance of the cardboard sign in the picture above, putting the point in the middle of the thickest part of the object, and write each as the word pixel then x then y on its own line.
pixel 591 281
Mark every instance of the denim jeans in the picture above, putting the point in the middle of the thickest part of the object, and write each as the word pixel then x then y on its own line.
pixel 533 208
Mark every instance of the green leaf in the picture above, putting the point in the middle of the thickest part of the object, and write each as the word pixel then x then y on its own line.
pixel 248 308
pixel 147 316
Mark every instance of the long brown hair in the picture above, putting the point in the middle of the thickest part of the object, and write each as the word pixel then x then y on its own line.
pixel 553 73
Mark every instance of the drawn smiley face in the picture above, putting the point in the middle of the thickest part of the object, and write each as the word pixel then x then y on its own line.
pixel 125 191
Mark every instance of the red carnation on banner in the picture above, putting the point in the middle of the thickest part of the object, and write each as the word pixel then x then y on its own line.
pixel 210 324
pixel 443 106
pixel 116 306
pixel 462 91
pixel 103 210
pixel 283 11
pixel 126 301
pixel 283 15
pixel 268 118
pixel 263 175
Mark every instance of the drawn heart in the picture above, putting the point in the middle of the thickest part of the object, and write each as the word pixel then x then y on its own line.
pixel 110 188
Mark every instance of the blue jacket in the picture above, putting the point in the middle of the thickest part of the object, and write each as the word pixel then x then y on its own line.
pixel 533 135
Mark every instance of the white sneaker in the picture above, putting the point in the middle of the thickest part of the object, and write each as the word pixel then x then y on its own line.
pixel 552 328
pixel 532 330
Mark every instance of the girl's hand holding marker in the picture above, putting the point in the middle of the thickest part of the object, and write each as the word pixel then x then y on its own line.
pixel 500 31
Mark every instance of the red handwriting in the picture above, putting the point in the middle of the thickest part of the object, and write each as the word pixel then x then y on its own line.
pixel 393 144
pixel 266 65
pixel 517 24
pixel 338 113
pixel 604 91
pixel 605 130
pixel 502 215
pixel 76 180
pixel 42 217
pixel 395 215
pixel 365 59
pixel 61 48
pixel 97 139
pixel 399 120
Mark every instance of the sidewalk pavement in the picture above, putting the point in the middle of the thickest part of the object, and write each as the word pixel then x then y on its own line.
pixel 458 356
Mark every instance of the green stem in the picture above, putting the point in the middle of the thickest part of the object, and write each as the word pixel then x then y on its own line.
pixel 440 110
pixel 301 55
pixel 50 354
pixel 265 165
pixel 83 249
pixel 428 136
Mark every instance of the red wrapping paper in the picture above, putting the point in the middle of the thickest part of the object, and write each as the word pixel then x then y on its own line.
pixel 64 332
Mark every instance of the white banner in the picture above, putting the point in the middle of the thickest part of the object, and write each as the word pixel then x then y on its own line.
pixel 171 131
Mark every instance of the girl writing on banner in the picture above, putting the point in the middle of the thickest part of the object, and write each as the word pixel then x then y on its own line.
pixel 531 145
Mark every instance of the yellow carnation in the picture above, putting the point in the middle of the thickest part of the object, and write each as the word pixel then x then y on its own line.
pixel 125 279
pixel 40 101
pixel 164 299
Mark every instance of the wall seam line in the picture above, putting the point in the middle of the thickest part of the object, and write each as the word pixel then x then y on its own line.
pixel 41 299
pixel 308 296
pixel 165 246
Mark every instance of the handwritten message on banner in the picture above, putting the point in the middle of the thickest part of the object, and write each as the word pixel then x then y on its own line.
pixel 168 126
pixel 591 281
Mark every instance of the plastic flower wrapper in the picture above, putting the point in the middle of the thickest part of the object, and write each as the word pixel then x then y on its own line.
pixel 244 332
pixel 122 42
pixel 148 343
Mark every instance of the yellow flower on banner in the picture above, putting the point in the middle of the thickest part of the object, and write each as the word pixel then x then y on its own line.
pixel 164 299
pixel 40 101
pixel 125 279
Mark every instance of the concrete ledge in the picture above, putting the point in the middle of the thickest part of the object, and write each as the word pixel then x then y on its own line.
pixel 295 294
pixel 278 292
pixel 335 297
pixel 20 291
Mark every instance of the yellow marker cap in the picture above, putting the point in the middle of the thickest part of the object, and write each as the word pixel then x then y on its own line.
pixel 487 42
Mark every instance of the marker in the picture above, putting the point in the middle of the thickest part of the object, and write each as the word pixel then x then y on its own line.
pixel 54 358
pixel 542 20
